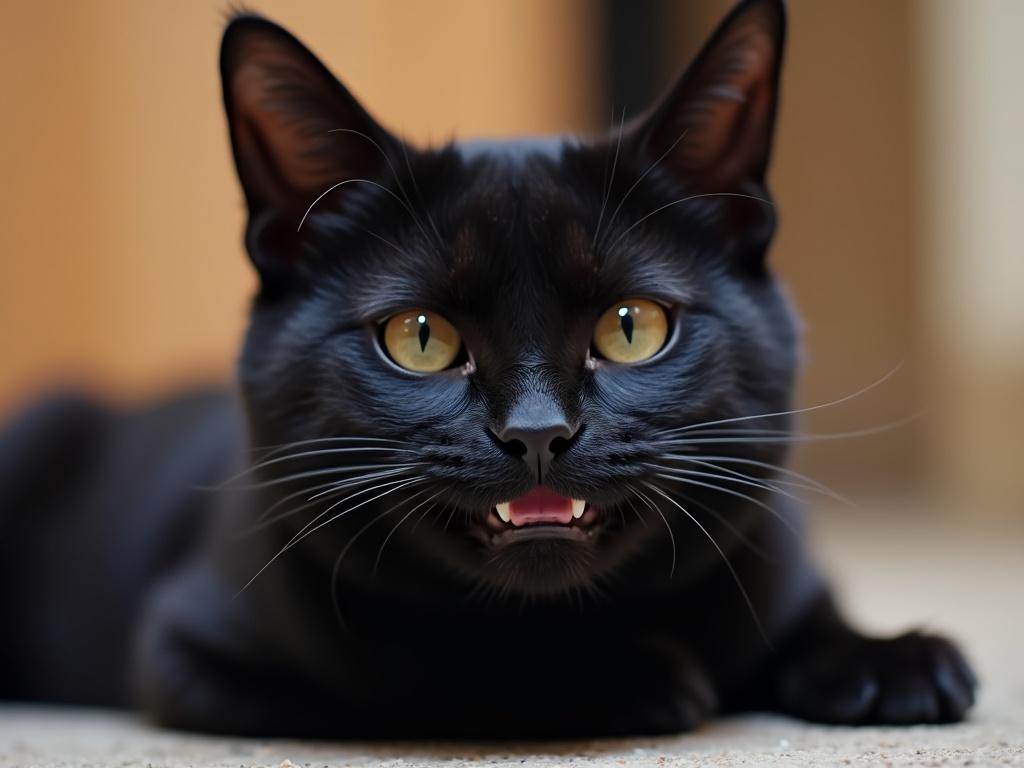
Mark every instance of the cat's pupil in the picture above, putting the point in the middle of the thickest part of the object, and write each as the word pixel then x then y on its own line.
pixel 626 321
pixel 424 332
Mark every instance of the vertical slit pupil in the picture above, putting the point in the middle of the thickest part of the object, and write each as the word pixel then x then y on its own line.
pixel 626 320
pixel 424 333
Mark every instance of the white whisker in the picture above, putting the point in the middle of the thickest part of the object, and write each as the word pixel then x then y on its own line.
pixel 808 483
pixel 267 520
pixel 820 406
pixel 299 443
pixel 732 479
pixel 310 454
pixel 671 535
pixel 739 535
pixel 687 199
pixel 735 576
pixel 651 167
pixel 611 180
pixel 313 473
pixel 732 492
pixel 306 531
pixel 306 528
pixel 394 173
pixel 380 552
pixel 784 439
pixel 371 182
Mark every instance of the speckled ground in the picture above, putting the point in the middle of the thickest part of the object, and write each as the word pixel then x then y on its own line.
pixel 892 572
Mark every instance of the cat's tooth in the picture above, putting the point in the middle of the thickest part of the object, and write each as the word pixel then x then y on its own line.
pixel 578 505
pixel 505 511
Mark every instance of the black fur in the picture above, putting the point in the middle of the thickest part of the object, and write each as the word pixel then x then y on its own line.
pixel 407 621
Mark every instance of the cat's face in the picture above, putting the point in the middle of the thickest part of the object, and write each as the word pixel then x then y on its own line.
pixel 508 337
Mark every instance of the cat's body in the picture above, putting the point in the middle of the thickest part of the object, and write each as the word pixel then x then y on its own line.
pixel 518 414
pixel 99 506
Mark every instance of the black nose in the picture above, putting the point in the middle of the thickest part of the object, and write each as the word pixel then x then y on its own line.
pixel 537 431
pixel 537 446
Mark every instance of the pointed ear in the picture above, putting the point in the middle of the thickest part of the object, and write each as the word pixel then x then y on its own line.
pixel 714 126
pixel 295 132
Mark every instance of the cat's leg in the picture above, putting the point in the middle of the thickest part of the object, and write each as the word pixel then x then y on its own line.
pixel 621 685
pixel 667 691
pixel 828 672
pixel 187 685
pixel 201 664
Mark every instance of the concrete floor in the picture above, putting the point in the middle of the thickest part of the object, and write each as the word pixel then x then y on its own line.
pixel 893 572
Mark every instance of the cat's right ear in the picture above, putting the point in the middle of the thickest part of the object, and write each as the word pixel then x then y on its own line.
pixel 295 132
pixel 713 128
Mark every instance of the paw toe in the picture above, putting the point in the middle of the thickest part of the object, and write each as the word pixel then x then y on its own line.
pixel 907 698
pixel 954 681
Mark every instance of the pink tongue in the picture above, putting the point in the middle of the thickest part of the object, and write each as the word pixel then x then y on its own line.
pixel 540 505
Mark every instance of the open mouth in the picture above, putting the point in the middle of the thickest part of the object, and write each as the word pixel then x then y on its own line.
pixel 540 512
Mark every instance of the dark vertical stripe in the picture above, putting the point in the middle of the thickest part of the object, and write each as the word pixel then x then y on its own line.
pixel 634 53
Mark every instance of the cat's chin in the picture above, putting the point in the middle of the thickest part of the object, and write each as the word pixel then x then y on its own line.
pixel 540 562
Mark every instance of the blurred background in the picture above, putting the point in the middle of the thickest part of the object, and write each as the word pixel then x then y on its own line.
pixel 899 172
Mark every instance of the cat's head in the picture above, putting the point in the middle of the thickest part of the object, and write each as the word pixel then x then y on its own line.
pixel 515 341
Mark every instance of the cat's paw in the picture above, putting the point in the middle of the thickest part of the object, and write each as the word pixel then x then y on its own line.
pixel 914 678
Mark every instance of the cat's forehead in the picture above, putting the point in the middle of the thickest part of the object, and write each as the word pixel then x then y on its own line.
pixel 517 228
pixel 527 218
pixel 521 223
pixel 522 260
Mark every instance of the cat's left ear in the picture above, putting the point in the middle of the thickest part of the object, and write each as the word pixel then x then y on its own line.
pixel 714 127
pixel 295 132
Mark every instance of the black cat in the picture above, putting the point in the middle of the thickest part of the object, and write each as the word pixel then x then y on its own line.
pixel 518 414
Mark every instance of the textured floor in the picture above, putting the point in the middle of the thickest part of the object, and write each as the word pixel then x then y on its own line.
pixel 970 584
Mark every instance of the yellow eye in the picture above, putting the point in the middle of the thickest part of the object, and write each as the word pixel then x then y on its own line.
pixel 631 331
pixel 421 341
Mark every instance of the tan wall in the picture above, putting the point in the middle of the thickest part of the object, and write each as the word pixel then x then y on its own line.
pixel 120 257
pixel 972 195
